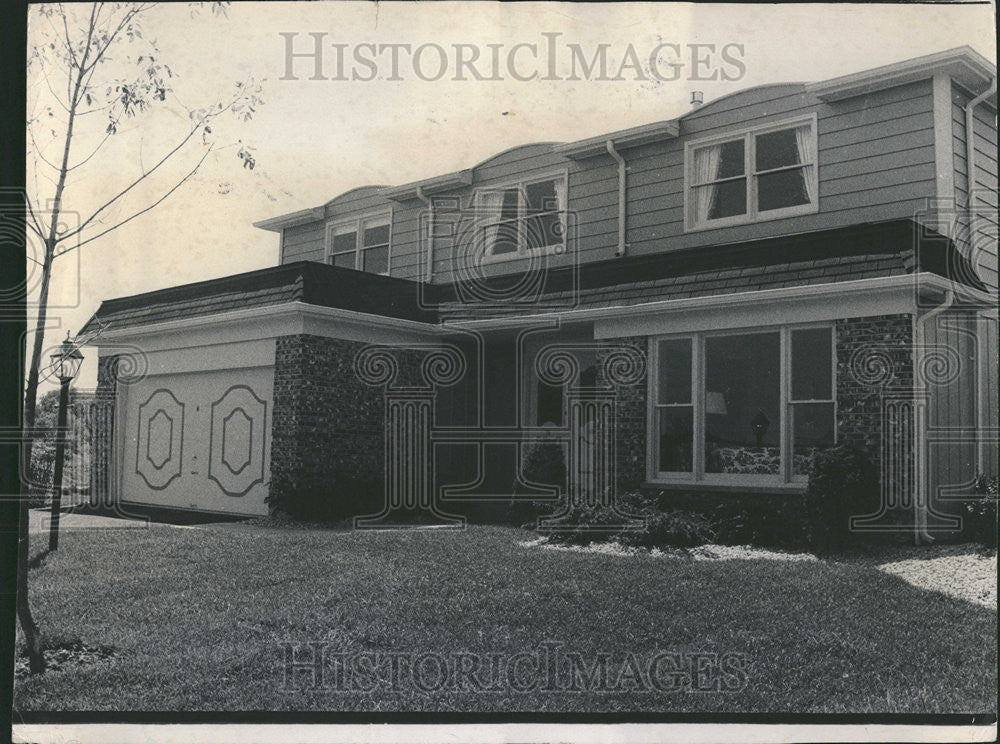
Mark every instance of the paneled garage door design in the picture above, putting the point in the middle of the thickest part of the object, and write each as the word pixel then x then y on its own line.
pixel 199 440
pixel 239 420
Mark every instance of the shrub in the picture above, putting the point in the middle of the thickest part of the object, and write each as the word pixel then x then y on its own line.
pixel 979 520
pixel 545 463
pixel 671 528
pixel 676 529
pixel 843 483
pixel 769 521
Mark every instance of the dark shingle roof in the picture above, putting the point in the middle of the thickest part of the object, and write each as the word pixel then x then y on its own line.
pixel 304 281
pixel 866 251
pixel 861 252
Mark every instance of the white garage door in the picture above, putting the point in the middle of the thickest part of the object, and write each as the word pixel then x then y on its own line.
pixel 199 440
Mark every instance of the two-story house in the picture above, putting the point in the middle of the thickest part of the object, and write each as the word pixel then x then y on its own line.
pixel 710 299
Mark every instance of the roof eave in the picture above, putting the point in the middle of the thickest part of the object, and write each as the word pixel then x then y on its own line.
pixel 409 191
pixel 963 64
pixel 303 216
pixel 623 138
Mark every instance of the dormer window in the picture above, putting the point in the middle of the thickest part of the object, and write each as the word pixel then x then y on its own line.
pixel 519 219
pixel 760 174
pixel 363 244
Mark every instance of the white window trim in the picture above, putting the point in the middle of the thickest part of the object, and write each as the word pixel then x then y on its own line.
pixel 752 216
pixel 561 177
pixel 698 477
pixel 357 225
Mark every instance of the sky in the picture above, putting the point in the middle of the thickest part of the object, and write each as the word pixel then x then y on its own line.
pixel 316 138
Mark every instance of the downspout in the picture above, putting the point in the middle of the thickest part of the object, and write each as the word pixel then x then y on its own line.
pixel 622 246
pixel 970 170
pixel 429 269
pixel 970 148
pixel 920 502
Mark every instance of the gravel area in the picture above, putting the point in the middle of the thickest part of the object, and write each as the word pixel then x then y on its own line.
pixel 963 571
pixel 701 553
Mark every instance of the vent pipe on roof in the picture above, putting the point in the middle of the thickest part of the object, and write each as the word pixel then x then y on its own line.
pixel 697 98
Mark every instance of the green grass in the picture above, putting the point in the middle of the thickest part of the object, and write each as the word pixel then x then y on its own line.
pixel 197 616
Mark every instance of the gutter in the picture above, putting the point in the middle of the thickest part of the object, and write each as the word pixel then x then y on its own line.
pixel 622 170
pixel 733 299
pixel 921 500
pixel 429 270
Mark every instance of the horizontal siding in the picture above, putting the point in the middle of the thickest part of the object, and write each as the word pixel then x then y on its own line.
pixel 875 154
pixel 303 243
pixel 984 251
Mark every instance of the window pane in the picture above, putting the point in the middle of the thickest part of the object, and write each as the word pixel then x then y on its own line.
pixel 376 235
pixel 508 208
pixel 542 196
pixel 674 371
pixel 812 364
pixel 344 242
pixel 731 159
pixel 376 260
pixel 782 189
pixel 542 230
pixel 730 199
pixel 501 238
pixel 676 439
pixel 346 260
pixel 812 429
pixel 776 149
pixel 742 399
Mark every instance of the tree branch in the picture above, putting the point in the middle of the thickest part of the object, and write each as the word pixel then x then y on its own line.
pixel 107 136
pixel 140 212
pixel 145 175
pixel 38 150
pixel 49 84
pixel 36 226
pixel 125 19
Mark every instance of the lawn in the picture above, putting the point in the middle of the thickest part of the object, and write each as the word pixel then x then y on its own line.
pixel 198 617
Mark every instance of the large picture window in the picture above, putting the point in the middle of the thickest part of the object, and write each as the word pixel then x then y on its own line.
pixel 520 218
pixel 741 407
pixel 757 175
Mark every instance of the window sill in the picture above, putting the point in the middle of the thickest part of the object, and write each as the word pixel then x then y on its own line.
pixel 525 255
pixel 764 489
pixel 776 214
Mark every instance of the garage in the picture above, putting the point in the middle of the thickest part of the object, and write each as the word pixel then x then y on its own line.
pixel 198 440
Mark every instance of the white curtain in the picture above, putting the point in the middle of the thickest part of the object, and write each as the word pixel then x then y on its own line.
pixel 804 141
pixel 706 168
pixel 490 203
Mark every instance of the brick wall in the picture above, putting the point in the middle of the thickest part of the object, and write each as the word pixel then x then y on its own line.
pixel 101 411
pixel 874 359
pixel 630 430
pixel 325 418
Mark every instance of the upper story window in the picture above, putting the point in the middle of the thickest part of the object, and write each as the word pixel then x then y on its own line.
pixel 520 218
pixel 363 244
pixel 759 174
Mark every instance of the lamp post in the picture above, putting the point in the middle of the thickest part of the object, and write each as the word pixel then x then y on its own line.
pixel 66 363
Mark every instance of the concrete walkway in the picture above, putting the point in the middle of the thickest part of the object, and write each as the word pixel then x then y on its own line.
pixel 39 519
